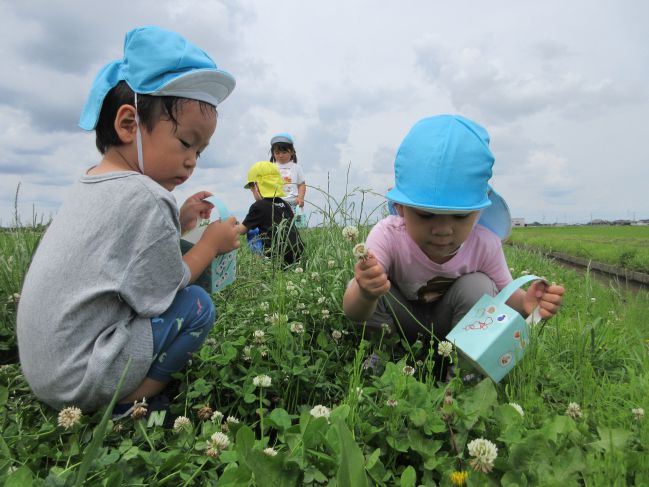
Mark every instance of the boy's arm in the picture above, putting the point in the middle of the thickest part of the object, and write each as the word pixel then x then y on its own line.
pixel 547 297
pixel 369 284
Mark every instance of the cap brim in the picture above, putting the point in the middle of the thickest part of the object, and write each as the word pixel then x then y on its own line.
pixel 209 85
pixel 398 197
pixel 497 217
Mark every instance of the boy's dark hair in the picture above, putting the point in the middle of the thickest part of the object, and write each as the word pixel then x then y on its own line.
pixel 149 109
pixel 283 146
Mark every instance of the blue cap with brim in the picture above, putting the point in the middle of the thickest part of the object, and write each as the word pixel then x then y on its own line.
pixel 282 137
pixel 444 165
pixel 159 62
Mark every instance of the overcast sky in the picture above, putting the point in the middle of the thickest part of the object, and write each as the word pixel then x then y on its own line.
pixel 561 86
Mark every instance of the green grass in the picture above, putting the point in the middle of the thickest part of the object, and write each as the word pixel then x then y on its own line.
pixel 625 246
pixel 594 353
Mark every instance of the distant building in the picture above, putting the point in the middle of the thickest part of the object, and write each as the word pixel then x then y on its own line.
pixel 518 222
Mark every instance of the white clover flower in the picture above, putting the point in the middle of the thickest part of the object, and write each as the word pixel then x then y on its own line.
pixel 524 273
pixel 511 269
pixel 386 328
pixel 518 408
pixel 259 334
pixel 69 416
pixel 321 299
pixel 350 233
pixel 181 422
pixel 445 348
pixel 484 453
pixel 573 410
pixel 325 314
pixel 247 351
pixel 217 416
pixel 210 342
pixel 262 381
pixel 232 420
pixel 592 300
pixel 331 264
pixel 392 403
pixel 264 305
pixel 212 452
pixel 298 270
pixel 263 352
pixel 300 306
pixel 320 411
pixel 306 312
pixel 219 441
pixel 297 328
pixel 290 285
pixel 271 452
pixel 294 292
pixel 336 335
pixel 408 370
pixel 638 413
pixel 278 318
pixel 315 275
pixel 318 290
pixel 360 251
pixel 303 281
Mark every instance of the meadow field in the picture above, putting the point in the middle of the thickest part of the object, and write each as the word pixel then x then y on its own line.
pixel 624 246
pixel 286 391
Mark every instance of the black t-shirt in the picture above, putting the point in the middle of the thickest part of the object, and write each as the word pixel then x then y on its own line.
pixel 274 218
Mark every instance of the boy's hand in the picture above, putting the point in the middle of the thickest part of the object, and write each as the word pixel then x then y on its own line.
pixel 223 236
pixel 194 208
pixel 546 296
pixel 372 281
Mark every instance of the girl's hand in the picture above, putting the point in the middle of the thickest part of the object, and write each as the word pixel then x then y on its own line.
pixel 222 236
pixel 193 209
pixel 300 201
pixel 371 280
pixel 547 296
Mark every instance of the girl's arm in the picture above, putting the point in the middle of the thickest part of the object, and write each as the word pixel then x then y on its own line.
pixel 301 191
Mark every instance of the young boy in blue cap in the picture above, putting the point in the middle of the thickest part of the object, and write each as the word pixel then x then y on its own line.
pixel 271 214
pixel 430 263
pixel 108 282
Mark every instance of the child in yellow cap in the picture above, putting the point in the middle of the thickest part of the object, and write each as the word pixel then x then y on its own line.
pixel 271 215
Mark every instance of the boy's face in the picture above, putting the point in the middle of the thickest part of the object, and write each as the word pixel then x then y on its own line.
pixel 438 235
pixel 171 153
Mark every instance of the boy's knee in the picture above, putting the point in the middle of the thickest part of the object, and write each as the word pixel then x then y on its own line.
pixel 205 309
pixel 471 287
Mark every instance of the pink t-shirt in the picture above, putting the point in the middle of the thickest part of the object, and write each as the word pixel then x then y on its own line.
pixel 421 279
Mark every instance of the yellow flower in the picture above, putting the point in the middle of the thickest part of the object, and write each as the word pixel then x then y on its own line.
pixel 459 478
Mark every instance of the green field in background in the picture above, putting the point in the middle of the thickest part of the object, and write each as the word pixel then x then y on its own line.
pixel 625 246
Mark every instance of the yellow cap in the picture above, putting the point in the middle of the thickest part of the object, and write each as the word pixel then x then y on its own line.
pixel 268 179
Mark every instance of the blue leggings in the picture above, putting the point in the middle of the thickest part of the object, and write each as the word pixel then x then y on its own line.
pixel 180 331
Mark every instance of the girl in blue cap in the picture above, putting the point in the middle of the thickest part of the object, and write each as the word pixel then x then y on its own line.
pixel 432 261
pixel 282 153
pixel 108 282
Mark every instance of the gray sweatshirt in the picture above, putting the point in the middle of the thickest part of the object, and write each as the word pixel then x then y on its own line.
pixel 109 261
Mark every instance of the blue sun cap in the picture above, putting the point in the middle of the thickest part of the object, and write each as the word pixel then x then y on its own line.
pixel 443 166
pixel 159 62
pixel 283 137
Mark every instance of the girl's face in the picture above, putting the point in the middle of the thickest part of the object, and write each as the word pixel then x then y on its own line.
pixel 171 153
pixel 283 153
pixel 438 235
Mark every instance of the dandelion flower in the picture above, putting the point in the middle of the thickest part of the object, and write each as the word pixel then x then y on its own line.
pixel 518 408
pixel 262 381
pixel 217 417
pixel 408 370
pixel 484 453
pixel 181 422
pixel 445 348
pixel 360 251
pixel 638 413
pixel 392 403
pixel 271 452
pixel 459 478
pixel 69 416
pixel 219 440
pixel 320 411
pixel 350 233
pixel 573 410
pixel 336 335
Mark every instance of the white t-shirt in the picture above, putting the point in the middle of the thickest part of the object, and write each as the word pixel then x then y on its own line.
pixel 292 175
